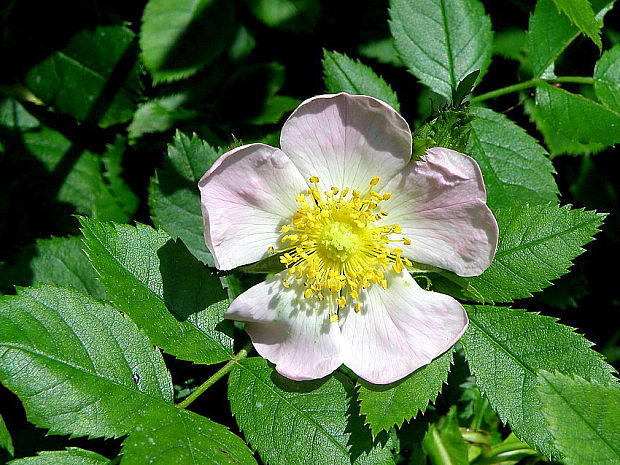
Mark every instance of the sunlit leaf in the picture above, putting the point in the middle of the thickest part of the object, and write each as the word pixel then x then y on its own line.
pixel 328 428
pixel 506 348
pixel 343 74
pixel 582 418
pixel 183 438
pixel 389 405
pixel 79 366
pixel 172 297
pixel 442 41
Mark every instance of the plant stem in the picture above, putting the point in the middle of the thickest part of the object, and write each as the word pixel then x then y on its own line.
pixel 528 84
pixel 243 353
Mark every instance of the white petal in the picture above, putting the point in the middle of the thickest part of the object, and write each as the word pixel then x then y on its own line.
pixel 293 332
pixel 346 140
pixel 440 205
pixel 246 197
pixel 400 329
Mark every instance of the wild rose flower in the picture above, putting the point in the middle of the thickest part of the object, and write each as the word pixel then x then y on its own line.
pixel 347 211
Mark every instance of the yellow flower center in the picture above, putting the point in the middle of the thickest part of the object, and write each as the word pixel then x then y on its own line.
pixel 334 246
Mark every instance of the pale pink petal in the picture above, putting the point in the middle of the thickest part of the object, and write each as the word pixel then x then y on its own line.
pixel 346 140
pixel 440 204
pixel 400 329
pixel 293 332
pixel 246 197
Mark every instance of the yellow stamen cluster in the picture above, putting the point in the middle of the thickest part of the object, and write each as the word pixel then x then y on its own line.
pixel 332 245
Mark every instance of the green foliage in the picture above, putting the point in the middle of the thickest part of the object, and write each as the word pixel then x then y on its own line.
pixel 582 418
pixel 537 245
pixel 13 115
pixel 293 15
pixel 86 180
pixel 343 74
pixel 71 456
pixel 175 300
pixel 159 115
pixel 510 43
pixel 442 41
pixel 183 438
pixel 558 143
pixel 550 32
pixel 506 348
pixel 59 261
pixel 94 78
pixel 389 405
pixel 180 37
pixel 450 129
pixel 443 442
pixel 581 15
pixel 577 117
pixel 382 50
pixel 74 361
pixel 6 443
pixel 327 429
pixel 607 78
pixel 174 196
pixel 515 167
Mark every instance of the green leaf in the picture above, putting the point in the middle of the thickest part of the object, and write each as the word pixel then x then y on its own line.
pixel 276 106
pixel 550 32
pixel 88 366
pixel 506 348
pixel 183 438
pixel 291 15
pixel 607 78
pixel 328 428
pixel 391 404
pixel 161 287
pixel 382 50
pixel 510 43
pixel 13 115
pixel 582 418
pixel 180 37
pixel 159 115
pixel 581 15
pixel 343 74
pixel 59 261
pixel 70 456
pixel 537 244
pixel 173 195
pixel 6 443
pixel 558 143
pixel 442 41
pixel 94 78
pixel 443 442
pixel 577 117
pixel 515 167
pixel 88 181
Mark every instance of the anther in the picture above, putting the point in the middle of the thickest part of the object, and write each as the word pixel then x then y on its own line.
pixel 374 181
pixel 314 179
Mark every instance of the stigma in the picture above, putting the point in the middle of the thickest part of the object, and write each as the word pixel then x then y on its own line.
pixel 335 247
